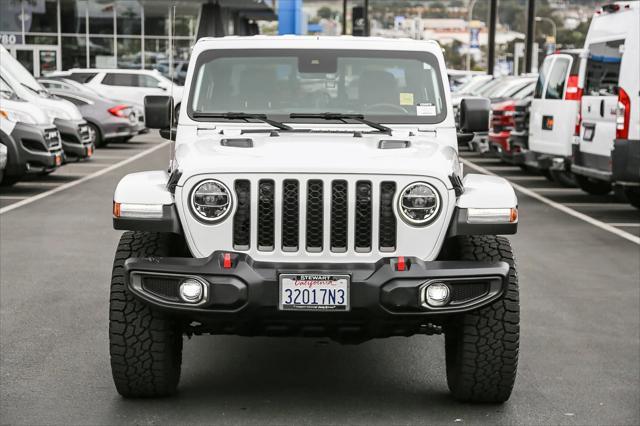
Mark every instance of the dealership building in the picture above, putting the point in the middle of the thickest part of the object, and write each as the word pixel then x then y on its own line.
pixel 48 35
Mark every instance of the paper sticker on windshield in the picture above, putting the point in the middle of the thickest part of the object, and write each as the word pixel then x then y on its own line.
pixel 426 109
pixel 406 98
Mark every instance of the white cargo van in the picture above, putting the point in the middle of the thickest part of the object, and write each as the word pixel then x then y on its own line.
pixel 77 141
pixel 553 121
pixel 610 103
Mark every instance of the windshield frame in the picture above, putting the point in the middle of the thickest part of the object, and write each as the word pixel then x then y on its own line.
pixel 424 56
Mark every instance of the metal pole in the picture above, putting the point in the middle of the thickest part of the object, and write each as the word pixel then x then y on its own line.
pixel 365 15
pixel 528 56
pixel 492 36
pixel 470 18
pixel 344 17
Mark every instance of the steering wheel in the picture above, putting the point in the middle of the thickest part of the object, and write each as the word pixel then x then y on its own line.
pixel 387 107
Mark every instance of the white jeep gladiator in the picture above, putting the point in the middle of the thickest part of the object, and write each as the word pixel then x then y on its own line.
pixel 315 190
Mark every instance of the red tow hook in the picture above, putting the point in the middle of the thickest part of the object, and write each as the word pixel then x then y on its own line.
pixel 401 264
pixel 227 263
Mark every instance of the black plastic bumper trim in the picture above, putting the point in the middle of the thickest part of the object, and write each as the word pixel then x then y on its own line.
pixel 252 287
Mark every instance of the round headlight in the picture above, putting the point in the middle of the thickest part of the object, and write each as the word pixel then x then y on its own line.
pixel 210 201
pixel 419 203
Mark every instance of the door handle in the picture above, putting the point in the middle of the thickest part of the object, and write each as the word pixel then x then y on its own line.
pixel 602 108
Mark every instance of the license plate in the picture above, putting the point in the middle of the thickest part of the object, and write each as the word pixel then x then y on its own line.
pixel 58 160
pixel 314 292
pixel 547 122
pixel 89 151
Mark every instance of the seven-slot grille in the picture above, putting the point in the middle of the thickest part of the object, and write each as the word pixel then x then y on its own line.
pixel 314 215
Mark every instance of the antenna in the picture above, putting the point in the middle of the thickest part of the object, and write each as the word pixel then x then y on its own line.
pixel 172 30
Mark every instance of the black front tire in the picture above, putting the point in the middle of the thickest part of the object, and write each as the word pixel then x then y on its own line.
pixel 145 345
pixel 593 186
pixel 481 346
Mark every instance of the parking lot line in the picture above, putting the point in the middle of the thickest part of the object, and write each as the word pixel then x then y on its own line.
pixel 600 205
pixel 12 197
pixel 541 178
pixel 625 225
pixel 531 193
pixel 71 184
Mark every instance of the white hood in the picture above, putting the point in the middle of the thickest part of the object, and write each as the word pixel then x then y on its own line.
pixel 330 153
pixel 37 114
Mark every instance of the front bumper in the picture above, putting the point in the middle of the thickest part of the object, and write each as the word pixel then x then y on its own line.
pixel 34 147
pixel 384 301
pixel 76 138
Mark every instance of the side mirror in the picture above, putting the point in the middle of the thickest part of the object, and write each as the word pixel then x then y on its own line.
pixel 157 111
pixel 474 115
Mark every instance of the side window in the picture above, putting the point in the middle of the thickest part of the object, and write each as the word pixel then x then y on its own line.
pixel 542 77
pixel 147 81
pixel 120 79
pixel 603 68
pixel 557 77
pixel 81 77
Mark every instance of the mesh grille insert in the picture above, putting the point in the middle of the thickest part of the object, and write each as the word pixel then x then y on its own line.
pixel 387 217
pixel 363 216
pixel 242 218
pixel 339 216
pixel 315 215
pixel 166 288
pixel 464 292
pixel 290 214
pixel 266 215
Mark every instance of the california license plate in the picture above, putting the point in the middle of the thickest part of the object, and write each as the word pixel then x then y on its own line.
pixel 314 292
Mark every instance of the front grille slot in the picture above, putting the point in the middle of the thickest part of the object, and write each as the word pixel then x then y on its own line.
pixel 315 215
pixel 242 218
pixel 266 215
pixel 363 216
pixel 339 216
pixel 290 215
pixel 387 217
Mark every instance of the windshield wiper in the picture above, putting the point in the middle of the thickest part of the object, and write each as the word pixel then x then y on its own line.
pixel 242 116
pixel 342 117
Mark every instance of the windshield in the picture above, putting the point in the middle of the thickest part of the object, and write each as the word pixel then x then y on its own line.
pixel 473 85
pixel 20 73
pixel 384 86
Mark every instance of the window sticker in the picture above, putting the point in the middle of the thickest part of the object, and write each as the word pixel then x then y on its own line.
pixel 427 109
pixel 406 98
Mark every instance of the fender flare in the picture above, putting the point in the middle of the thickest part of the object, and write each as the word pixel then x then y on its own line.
pixel 150 189
pixel 483 192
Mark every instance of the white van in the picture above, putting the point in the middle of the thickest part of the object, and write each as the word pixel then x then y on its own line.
pixel 610 102
pixel 553 119
pixel 76 138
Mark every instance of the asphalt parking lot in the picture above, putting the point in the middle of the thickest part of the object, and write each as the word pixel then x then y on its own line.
pixel 580 339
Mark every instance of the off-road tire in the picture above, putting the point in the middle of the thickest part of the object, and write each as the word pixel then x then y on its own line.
pixel 145 345
pixel 593 186
pixel 481 346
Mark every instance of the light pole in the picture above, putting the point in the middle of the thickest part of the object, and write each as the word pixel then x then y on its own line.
pixel 553 26
pixel 469 19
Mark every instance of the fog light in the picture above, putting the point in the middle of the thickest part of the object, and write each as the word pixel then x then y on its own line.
pixel 437 294
pixel 191 291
